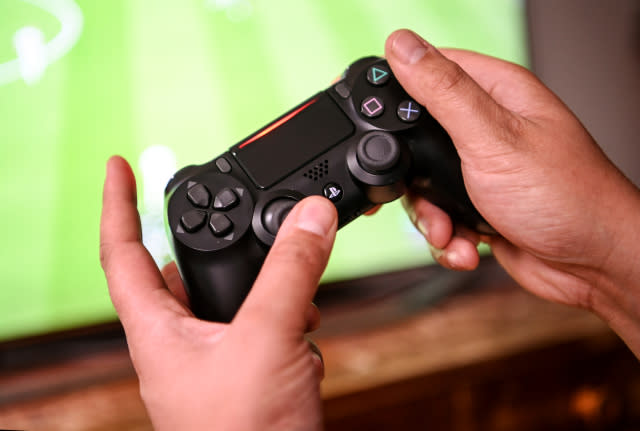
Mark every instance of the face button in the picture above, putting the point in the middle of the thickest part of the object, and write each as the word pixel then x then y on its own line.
pixel 372 107
pixel 193 220
pixel 225 199
pixel 275 212
pixel 378 152
pixel 378 75
pixel 333 192
pixel 220 224
pixel 408 111
pixel 223 164
pixel 199 195
pixel 342 89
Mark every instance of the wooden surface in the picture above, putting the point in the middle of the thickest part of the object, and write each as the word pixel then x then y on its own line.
pixel 434 349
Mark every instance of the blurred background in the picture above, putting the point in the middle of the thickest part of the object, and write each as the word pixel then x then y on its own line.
pixel 171 83
pixel 175 82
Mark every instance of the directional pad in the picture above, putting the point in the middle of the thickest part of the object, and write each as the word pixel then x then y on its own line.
pixel 199 196
pixel 193 220
pixel 225 199
pixel 220 224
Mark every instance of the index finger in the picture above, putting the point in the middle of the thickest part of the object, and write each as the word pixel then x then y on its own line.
pixel 137 289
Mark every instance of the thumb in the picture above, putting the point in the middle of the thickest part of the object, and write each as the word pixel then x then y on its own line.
pixel 465 110
pixel 291 272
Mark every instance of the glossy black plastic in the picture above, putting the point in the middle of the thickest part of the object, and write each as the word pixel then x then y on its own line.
pixel 318 144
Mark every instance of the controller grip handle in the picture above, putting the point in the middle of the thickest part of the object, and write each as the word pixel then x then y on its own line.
pixel 436 175
pixel 216 292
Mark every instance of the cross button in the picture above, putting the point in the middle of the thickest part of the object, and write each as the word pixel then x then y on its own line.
pixel 408 111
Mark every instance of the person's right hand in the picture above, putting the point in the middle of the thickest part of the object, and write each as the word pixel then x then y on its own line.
pixel 568 219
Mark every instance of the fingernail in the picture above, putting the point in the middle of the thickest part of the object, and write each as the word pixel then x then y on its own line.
pixel 312 317
pixel 319 364
pixel 437 253
pixel 408 47
pixel 408 208
pixel 422 227
pixel 316 216
pixel 449 258
pixel 452 259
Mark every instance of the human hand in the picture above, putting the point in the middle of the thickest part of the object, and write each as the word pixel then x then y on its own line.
pixel 567 218
pixel 258 372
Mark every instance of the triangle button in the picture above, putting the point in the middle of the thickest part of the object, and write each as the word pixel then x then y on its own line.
pixel 378 75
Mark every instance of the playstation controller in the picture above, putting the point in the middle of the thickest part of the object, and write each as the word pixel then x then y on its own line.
pixel 360 143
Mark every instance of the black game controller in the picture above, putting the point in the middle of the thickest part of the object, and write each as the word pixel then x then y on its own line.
pixel 361 142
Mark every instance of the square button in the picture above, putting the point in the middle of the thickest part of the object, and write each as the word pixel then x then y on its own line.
pixel 372 107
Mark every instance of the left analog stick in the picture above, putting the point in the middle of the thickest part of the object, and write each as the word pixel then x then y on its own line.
pixel 275 212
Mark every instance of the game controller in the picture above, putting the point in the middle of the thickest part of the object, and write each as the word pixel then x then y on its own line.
pixel 360 143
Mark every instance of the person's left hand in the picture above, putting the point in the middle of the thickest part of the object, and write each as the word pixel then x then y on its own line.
pixel 259 371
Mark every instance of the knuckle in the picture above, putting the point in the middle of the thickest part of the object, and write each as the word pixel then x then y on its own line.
pixel 305 252
pixel 448 78
pixel 105 253
pixel 512 130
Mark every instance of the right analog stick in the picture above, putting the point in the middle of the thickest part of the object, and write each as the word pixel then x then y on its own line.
pixel 275 212
pixel 378 152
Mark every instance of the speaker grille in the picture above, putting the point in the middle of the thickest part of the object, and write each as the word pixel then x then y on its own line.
pixel 318 171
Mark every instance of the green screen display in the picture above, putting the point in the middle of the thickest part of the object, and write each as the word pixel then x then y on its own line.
pixel 173 82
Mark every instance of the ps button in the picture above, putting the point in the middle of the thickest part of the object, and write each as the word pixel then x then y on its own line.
pixel 333 192
pixel 220 224
pixel 372 107
pixel 225 199
pixel 408 111
pixel 199 196
pixel 223 164
pixel 193 220
pixel 378 75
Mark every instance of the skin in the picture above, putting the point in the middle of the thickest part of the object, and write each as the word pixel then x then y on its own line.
pixel 258 372
pixel 568 223
pixel 567 217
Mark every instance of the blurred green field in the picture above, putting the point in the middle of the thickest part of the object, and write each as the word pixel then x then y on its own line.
pixel 186 78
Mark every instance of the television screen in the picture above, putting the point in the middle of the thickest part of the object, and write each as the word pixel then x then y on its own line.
pixel 171 83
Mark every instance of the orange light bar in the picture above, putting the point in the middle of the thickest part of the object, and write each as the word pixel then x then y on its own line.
pixel 277 124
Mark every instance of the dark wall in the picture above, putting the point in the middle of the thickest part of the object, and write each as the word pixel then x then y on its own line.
pixel 588 52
